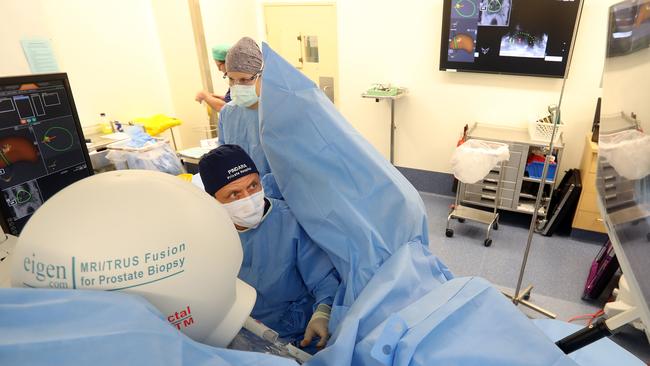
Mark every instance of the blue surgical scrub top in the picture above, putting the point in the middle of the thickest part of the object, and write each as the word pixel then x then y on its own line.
pixel 241 126
pixel 291 274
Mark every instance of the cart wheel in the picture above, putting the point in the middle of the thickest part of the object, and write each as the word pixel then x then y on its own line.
pixel 527 297
pixel 487 242
pixel 461 220
pixel 495 226
pixel 449 233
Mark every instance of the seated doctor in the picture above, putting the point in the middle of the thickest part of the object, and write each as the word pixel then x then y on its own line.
pixel 294 278
pixel 239 122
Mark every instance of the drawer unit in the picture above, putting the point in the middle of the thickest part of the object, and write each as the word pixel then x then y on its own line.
pixel 515 159
pixel 489 190
pixel 522 149
pixel 587 215
pixel 589 221
pixel 510 175
pixel 493 180
pixel 483 192
pixel 487 198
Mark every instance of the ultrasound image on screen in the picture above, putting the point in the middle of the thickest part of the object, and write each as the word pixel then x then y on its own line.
pixel 23 199
pixel 523 44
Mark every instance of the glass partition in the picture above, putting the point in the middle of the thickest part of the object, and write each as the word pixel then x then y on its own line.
pixel 623 171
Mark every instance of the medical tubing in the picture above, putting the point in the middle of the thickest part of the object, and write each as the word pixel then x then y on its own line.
pixel 584 337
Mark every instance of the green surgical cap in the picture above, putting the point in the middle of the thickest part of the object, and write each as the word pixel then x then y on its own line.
pixel 219 52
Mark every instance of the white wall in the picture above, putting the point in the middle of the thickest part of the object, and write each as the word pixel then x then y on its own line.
pixel 223 21
pixel 399 42
pixel 625 86
pixel 227 21
pixel 431 117
pixel 133 58
pixel 173 25
pixel 127 58
pixel 109 49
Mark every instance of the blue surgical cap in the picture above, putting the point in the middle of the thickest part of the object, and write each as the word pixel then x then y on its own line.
pixel 223 165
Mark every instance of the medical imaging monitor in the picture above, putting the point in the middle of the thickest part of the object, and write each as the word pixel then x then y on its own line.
pixel 519 37
pixel 42 148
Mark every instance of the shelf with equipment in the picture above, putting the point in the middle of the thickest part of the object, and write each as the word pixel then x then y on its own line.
pixel 518 190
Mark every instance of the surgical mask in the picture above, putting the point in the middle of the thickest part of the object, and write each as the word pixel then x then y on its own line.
pixel 244 95
pixel 247 212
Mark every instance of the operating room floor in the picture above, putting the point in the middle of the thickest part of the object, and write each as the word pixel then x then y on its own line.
pixel 557 265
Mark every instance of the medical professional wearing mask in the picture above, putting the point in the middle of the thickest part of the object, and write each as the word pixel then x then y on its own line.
pixel 216 102
pixel 294 278
pixel 239 122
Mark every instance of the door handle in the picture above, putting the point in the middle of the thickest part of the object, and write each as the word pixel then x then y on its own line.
pixel 301 58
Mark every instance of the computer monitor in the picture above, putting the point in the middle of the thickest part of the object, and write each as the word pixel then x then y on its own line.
pixel 517 37
pixel 42 147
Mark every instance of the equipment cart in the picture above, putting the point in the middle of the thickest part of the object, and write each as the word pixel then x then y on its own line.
pixel 472 161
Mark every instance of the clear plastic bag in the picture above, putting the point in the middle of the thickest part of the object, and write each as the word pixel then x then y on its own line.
pixel 474 159
pixel 628 152
pixel 157 156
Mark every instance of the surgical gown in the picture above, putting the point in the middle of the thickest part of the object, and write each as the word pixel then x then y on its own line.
pixel 291 274
pixel 101 328
pixel 241 126
pixel 397 303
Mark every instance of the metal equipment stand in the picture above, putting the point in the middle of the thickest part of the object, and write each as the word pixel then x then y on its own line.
pixel 463 213
pixel 523 296
pixel 391 99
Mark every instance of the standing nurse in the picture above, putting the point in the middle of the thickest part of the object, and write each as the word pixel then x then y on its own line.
pixel 216 102
pixel 239 122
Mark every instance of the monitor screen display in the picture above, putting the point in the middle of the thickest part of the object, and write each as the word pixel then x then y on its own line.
pixel 629 27
pixel 42 148
pixel 519 37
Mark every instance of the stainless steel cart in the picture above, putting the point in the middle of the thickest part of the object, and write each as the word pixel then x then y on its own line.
pixel 491 219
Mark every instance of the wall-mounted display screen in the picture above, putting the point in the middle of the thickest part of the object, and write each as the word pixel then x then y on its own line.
pixel 629 27
pixel 519 37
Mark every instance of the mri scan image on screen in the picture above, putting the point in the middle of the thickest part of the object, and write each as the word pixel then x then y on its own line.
pixel 495 13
